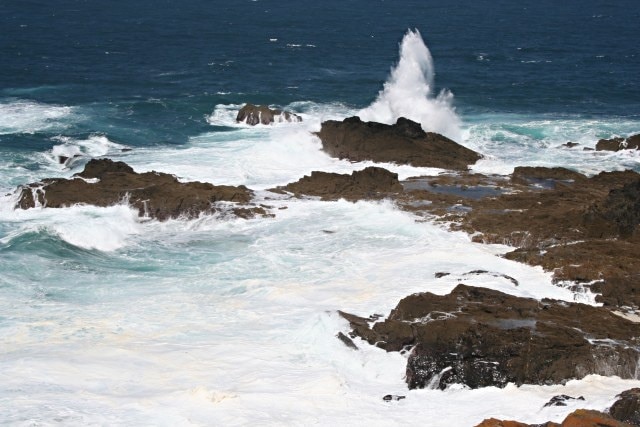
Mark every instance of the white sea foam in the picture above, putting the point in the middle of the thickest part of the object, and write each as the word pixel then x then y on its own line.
pixel 510 140
pixel 408 92
pixel 20 116
pixel 234 322
pixel 87 227
pixel 93 146
pixel 260 157
pixel 225 115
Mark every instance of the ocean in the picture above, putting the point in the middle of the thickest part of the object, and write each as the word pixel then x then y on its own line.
pixel 109 319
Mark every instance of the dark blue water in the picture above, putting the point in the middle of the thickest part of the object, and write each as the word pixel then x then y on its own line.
pixel 570 57
pixel 148 71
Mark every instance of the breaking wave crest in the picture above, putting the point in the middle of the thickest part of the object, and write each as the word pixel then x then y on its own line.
pixel 71 149
pixel 408 92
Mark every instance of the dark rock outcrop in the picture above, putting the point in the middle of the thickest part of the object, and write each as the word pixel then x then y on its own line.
pixel 561 400
pixel 104 182
pixel 627 407
pixel 346 341
pixel 481 337
pixel 620 210
pixel 254 114
pixel 390 397
pixel 617 144
pixel 570 144
pixel 369 183
pixel 404 143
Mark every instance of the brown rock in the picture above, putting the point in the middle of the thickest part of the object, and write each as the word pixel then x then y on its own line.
pixel 154 194
pixel 627 407
pixel 617 144
pixel 493 422
pixel 589 418
pixel 621 209
pixel 578 418
pixel 404 143
pixel 481 337
pixel 584 230
pixel 529 174
pixel 369 183
pixel 254 114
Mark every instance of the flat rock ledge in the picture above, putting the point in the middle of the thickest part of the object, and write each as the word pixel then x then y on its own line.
pixel 583 229
pixel 369 183
pixel 262 114
pixel 157 195
pixel 403 143
pixel 481 337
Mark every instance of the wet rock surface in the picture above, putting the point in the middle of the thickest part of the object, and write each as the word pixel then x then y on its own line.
pixel 617 144
pixel 369 183
pixel 582 229
pixel 627 407
pixel 161 196
pixel 404 143
pixel 561 400
pixel 481 337
pixel 262 114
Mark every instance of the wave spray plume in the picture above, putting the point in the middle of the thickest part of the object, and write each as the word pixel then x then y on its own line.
pixel 408 92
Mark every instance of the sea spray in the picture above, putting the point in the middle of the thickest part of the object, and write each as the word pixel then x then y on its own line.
pixel 408 92
pixel 87 227
pixel 93 146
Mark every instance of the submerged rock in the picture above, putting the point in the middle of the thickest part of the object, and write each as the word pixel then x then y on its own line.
pixel 254 114
pixel 346 341
pixel 561 400
pixel 369 183
pixel 404 143
pixel 390 397
pixel 104 182
pixel 570 144
pixel 481 337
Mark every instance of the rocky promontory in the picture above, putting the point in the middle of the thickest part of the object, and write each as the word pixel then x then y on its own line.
pixel 480 337
pixel 403 142
pixel 157 195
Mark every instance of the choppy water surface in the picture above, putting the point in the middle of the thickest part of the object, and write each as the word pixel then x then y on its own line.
pixel 107 319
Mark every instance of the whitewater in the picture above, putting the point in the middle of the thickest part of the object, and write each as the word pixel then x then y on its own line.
pixel 109 319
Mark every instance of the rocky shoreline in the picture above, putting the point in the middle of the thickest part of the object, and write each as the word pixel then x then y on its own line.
pixel 154 195
pixel 583 229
